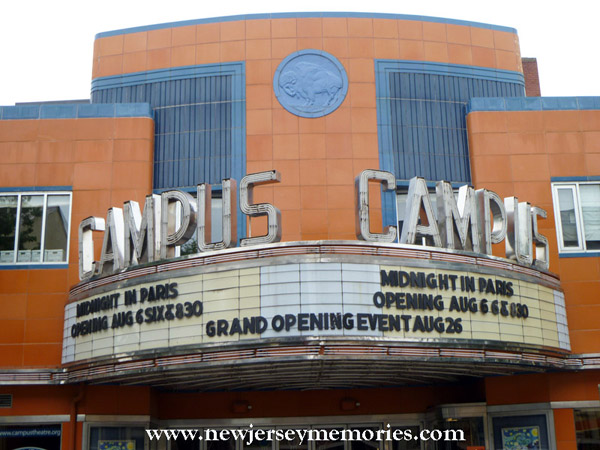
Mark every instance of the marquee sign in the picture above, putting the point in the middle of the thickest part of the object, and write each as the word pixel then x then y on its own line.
pixel 345 297
pixel 399 300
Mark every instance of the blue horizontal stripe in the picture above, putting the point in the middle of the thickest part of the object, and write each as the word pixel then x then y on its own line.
pixel 300 15
pixel 578 178
pixel 170 74
pixel 36 188
pixel 189 190
pixel 580 255
pixel 75 111
pixel 404 184
pixel 33 266
pixel 459 70
pixel 533 104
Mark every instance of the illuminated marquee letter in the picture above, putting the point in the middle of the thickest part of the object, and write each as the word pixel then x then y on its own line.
pixel 541 260
pixel 518 237
pixel 262 209
pixel 455 217
pixel 418 204
pixel 176 232
pixel 361 184
pixel 87 265
pixel 112 246
pixel 229 222
pixel 141 237
pixel 492 219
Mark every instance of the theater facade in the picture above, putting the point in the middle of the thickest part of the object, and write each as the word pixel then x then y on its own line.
pixel 301 220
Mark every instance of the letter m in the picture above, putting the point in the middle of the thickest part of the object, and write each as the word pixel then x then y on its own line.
pixel 389 278
pixel 456 217
pixel 141 238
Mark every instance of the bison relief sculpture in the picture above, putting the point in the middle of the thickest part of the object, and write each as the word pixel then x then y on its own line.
pixel 310 84
pixel 308 81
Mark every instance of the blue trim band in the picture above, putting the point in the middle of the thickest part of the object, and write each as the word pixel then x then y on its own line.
pixel 533 104
pixel 300 15
pixel 75 111
pixel 170 74
pixel 33 266
pixel 190 190
pixel 36 189
pixel 457 70
pixel 578 178
pixel 579 255
pixel 404 184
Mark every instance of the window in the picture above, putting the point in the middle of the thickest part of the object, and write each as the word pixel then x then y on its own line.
pixel 30 436
pixel 577 215
pixel 587 428
pixel 34 227
pixel 524 431
pixel 114 437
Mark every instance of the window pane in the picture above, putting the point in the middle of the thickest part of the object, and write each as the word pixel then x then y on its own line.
pixel 587 427
pixel 568 218
pixel 30 437
pixel 258 445
pixel 8 225
pixel 410 444
pixel 590 211
pixel 370 444
pixel 121 438
pixel 57 228
pixel 229 444
pixel 295 444
pixel 30 228
pixel 330 443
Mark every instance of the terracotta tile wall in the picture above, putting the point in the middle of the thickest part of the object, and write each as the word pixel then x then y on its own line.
pixel 106 161
pixel 261 39
pixel 516 153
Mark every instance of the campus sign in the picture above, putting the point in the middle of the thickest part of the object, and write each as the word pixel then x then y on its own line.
pixel 473 221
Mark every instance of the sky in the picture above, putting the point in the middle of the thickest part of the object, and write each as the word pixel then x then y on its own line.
pixel 46 46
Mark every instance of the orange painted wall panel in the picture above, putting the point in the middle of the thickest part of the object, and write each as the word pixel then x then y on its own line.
pixel 257 38
pixel 105 161
pixel 564 429
pixel 517 153
pixel 540 388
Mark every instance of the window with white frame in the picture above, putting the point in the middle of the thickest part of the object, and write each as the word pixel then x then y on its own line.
pixel 577 215
pixel 34 227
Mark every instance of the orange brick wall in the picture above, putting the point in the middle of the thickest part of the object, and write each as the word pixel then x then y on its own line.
pixel 106 161
pixel 516 153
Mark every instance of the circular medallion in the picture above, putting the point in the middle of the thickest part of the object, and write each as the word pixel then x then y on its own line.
pixel 310 83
